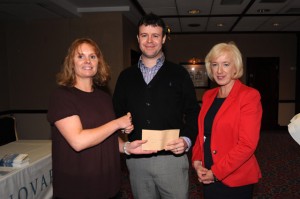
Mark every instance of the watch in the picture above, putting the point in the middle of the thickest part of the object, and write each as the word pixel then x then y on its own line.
pixel 124 148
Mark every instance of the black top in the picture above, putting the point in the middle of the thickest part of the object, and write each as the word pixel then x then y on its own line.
pixel 93 173
pixel 208 122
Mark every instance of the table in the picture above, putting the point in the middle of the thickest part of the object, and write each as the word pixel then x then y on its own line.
pixel 30 181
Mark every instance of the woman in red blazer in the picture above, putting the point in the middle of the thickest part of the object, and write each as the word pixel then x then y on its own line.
pixel 229 126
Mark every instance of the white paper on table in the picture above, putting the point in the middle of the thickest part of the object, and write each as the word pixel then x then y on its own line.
pixel 158 139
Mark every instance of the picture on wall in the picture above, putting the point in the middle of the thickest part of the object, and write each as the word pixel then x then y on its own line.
pixel 198 74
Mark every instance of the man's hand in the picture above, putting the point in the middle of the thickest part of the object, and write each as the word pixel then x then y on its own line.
pixel 177 146
pixel 135 147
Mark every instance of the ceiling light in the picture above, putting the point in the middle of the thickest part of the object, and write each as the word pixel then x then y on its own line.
pixel 220 25
pixel 263 10
pixel 194 11
pixel 276 24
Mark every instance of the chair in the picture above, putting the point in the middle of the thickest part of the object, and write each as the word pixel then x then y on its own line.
pixel 8 131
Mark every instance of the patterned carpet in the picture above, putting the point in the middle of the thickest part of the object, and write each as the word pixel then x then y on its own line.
pixel 279 158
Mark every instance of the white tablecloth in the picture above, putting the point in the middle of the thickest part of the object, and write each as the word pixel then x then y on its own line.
pixel 30 181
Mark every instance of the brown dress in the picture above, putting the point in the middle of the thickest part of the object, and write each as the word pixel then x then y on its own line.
pixel 93 172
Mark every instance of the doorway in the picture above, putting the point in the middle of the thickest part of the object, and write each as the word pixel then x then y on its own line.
pixel 263 74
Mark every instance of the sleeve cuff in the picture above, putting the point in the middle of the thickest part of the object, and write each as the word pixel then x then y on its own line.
pixel 189 143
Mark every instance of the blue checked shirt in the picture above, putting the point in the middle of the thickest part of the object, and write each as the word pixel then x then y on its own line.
pixel 149 73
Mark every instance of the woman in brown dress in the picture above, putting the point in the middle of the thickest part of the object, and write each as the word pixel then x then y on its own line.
pixel 85 147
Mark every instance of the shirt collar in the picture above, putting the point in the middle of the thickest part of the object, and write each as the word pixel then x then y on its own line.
pixel 159 62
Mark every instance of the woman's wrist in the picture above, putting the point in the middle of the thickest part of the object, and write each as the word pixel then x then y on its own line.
pixel 125 148
pixel 197 163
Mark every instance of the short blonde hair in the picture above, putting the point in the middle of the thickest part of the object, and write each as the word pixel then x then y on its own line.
pixel 219 50
pixel 66 76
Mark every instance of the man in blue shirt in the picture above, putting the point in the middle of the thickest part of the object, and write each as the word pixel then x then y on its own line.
pixel 160 95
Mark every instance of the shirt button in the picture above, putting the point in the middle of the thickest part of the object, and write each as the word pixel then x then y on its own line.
pixel 214 152
pixel 148 121
pixel 147 104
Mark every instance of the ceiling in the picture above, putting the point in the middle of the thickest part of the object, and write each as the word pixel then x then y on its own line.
pixel 221 16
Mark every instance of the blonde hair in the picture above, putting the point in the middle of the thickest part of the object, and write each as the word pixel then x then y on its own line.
pixel 221 49
pixel 66 77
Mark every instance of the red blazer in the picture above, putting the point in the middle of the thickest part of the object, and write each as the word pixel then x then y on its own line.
pixel 235 135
